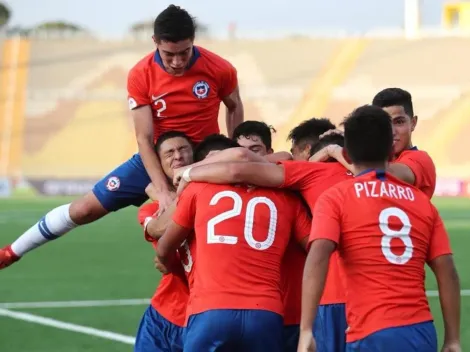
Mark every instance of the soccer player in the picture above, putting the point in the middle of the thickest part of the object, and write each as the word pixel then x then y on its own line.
pixel 305 135
pixel 241 236
pixel 161 327
pixel 179 86
pixel 385 231
pixel 310 179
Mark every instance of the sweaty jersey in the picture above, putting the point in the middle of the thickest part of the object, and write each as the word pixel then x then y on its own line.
pixel 386 231
pixel 312 179
pixel 423 168
pixel 189 103
pixel 241 237
pixel 172 294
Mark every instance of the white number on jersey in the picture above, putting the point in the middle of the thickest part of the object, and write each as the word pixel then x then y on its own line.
pixel 162 107
pixel 249 220
pixel 402 234
pixel 189 266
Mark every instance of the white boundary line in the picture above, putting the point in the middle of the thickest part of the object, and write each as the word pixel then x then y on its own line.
pixel 130 340
pixel 119 302
pixel 72 304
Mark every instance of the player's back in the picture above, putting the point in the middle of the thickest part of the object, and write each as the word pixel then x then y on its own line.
pixel 241 238
pixel 386 238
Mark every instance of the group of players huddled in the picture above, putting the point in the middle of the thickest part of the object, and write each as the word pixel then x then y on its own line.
pixel 320 249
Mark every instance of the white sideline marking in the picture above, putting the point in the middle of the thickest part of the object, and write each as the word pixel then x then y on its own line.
pixel 71 304
pixel 67 326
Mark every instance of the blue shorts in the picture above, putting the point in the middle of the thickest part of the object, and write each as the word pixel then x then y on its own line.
pixel 291 337
pixel 417 337
pixel 123 186
pixel 234 330
pixel 158 334
pixel 330 328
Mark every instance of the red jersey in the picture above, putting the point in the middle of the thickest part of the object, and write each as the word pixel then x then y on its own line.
pixel 386 230
pixel 312 179
pixel 241 238
pixel 189 103
pixel 423 168
pixel 172 294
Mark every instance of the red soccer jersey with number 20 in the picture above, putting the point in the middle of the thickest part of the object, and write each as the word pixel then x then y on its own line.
pixel 188 103
pixel 386 231
pixel 241 238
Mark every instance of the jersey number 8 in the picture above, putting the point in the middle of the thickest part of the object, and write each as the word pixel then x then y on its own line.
pixel 402 234
pixel 249 220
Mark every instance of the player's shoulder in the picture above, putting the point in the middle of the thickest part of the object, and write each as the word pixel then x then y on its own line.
pixel 215 60
pixel 415 154
pixel 143 65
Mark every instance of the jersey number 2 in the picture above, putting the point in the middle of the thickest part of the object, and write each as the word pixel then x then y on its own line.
pixel 160 105
pixel 249 220
pixel 402 234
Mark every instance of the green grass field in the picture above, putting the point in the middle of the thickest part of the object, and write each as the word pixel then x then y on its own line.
pixel 109 260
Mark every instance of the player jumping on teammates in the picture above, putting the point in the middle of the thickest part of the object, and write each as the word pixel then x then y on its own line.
pixel 385 231
pixel 179 86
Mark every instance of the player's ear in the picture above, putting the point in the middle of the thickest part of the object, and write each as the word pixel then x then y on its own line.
pixel 154 40
pixel 414 122
pixel 270 151
pixel 346 156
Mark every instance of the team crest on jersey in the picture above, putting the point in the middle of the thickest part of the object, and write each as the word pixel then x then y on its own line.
pixel 113 183
pixel 201 89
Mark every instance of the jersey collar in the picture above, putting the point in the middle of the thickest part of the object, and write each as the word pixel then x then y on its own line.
pixel 380 174
pixel 196 54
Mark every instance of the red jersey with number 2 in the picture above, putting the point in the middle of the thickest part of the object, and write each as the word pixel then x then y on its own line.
pixel 386 231
pixel 188 103
pixel 241 237
pixel 172 294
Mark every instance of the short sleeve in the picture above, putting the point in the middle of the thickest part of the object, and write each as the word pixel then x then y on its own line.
pixel 302 222
pixel 186 207
pixel 439 242
pixel 137 88
pixel 228 80
pixel 326 221
pixel 144 215
pixel 298 175
pixel 423 168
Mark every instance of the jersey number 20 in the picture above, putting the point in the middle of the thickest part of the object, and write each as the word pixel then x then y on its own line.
pixel 402 234
pixel 249 220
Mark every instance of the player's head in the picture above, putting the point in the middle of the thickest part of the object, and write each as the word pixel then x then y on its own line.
pixel 368 138
pixel 173 34
pixel 399 105
pixel 334 138
pixel 254 135
pixel 213 144
pixel 305 135
pixel 175 150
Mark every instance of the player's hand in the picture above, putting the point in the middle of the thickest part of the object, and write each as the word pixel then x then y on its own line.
pixel 164 199
pixel 7 257
pixel 451 347
pixel 160 266
pixel 177 174
pixel 181 187
pixel 306 342
pixel 333 131
pixel 320 156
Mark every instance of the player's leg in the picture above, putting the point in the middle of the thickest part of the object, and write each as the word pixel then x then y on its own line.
pixel 216 330
pixel 330 328
pixel 417 337
pixel 262 331
pixel 155 333
pixel 122 187
pixel 291 337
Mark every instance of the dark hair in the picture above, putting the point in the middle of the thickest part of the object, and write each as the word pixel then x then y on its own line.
pixel 169 135
pixel 334 138
pixel 394 97
pixel 213 142
pixel 173 25
pixel 368 136
pixel 308 131
pixel 255 128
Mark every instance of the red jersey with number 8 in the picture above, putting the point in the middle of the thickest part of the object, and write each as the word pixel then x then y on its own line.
pixel 386 231
pixel 241 237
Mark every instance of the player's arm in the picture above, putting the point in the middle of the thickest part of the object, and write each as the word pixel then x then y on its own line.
pixel 229 93
pixel 324 237
pixel 168 244
pixel 155 228
pixel 441 261
pixel 141 113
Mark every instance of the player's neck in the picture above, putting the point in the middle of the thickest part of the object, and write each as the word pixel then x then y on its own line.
pixel 362 168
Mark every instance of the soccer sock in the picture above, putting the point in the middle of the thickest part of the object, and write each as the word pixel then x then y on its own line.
pixel 56 223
